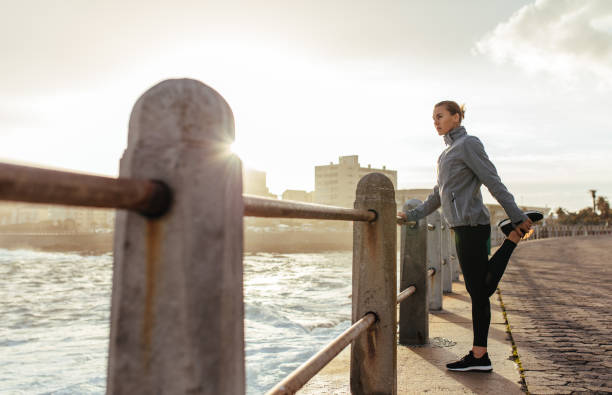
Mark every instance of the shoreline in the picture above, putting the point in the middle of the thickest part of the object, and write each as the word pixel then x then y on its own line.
pixel 80 243
pixel 291 241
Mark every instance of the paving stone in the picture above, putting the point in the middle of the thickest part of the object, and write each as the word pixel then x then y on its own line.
pixel 556 294
pixel 540 389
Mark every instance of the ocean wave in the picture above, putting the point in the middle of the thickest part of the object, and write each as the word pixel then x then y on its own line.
pixel 56 310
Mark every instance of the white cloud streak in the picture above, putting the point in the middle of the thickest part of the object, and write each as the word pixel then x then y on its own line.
pixel 566 38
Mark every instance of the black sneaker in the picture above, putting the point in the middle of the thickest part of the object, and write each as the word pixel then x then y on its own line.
pixel 507 226
pixel 468 363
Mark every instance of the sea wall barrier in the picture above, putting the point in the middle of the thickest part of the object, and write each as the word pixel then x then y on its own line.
pixel 177 308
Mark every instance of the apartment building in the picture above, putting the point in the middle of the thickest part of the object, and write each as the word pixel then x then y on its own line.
pixel 335 184
pixel 298 195
pixel 254 183
pixel 83 219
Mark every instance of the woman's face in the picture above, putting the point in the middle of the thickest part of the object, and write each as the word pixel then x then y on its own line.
pixel 444 122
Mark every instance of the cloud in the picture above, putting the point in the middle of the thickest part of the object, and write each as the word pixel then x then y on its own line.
pixel 567 38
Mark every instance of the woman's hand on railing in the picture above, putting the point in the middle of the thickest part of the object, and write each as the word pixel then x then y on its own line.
pixel 402 219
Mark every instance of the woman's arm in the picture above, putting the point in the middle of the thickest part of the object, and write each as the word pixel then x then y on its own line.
pixel 424 209
pixel 477 160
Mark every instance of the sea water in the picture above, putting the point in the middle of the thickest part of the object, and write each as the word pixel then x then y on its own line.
pixel 55 308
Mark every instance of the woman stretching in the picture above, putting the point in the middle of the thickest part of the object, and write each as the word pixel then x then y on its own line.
pixel 462 168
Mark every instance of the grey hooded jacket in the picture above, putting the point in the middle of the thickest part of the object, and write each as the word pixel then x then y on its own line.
pixel 462 168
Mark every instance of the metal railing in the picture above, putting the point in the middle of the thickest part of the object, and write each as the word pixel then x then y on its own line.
pixel 35 185
pixel 374 253
pixel 177 191
pixel 177 299
pixel 543 231
pixel 310 368
pixel 549 231
pixel 256 206
pixel 178 251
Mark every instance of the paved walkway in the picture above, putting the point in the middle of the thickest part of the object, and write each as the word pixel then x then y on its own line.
pixel 558 297
pixel 558 300
pixel 422 369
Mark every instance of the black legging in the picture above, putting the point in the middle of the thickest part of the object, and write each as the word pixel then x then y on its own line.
pixel 481 274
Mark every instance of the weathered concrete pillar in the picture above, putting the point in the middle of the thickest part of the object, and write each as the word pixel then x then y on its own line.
pixel 373 353
pixel 454 258
pixel 434 260
pixel 414 311
pixel 177 306
pixel 447 266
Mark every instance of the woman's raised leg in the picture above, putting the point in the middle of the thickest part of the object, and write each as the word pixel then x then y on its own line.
pixel 499 261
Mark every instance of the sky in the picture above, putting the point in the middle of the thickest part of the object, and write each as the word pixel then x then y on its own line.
pixel 309 81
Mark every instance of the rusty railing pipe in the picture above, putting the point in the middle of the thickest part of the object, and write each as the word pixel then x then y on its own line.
pixel 412 289
pixel 310 368
pixel 405 293
pixel 402 221
pixel 36 185
pixel 255 206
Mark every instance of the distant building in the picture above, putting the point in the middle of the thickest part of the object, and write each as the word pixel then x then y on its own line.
pixel 335 184
pixel 23 213
pixel 254 183
pixel 83 219
pixel 298 196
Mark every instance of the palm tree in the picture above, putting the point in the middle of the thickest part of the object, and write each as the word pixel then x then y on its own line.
pixel 604 207
pixel 593 192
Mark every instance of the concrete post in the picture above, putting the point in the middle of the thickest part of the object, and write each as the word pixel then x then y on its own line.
pixel 454 258
pixel 414 311
pixel 434 260
pixel 373 353
pixel 447 266
pixel 177 306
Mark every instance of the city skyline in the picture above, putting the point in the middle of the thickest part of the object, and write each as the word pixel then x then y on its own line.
pixel 347 168
pixel 309 81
